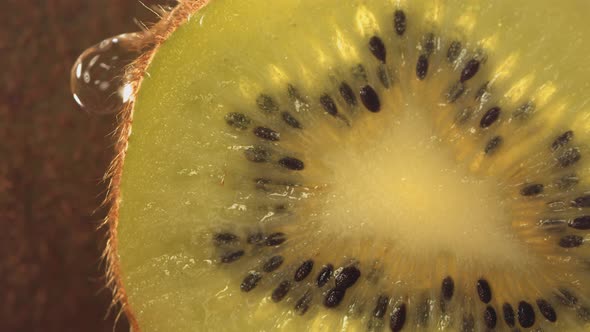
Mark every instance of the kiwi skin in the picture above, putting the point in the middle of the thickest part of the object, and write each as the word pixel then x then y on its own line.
pixel 149 44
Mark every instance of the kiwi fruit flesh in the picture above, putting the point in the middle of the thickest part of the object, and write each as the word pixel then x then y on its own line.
pixel 358 166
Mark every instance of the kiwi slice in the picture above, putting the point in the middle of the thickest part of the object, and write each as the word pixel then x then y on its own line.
pixel 357 166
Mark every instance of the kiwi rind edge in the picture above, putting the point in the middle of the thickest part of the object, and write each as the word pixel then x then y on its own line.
pixel 148 46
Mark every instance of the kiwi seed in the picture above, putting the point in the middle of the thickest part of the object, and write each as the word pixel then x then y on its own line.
pixel 526 314
pixel 422 67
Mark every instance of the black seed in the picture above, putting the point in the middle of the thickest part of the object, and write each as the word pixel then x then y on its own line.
pixel 571 241
pixel 493 144
pixel 266 103
pixel 224 238
pixel 489 317
pixel 569 157
pixel 581 202
pixel 455 92
pixel 547 310
pixel 525 110
pixel 255 238
pixel 567 298
pixel 532 190
pixel 347 94
pixel 484 291
pixel 567 182
pixel 468 323
pixel 428 44
pixel 508 314
pixel 291 163
pixel 454 51
pixel 398 318
pixel 325 275
pixel 381 306
pixel 275 239
pixel 526 314
pixel 328 105
pixel 290 120
pixel 582 222
pixel 377 48
pixel 293 92
pixel 422 67
pixel 562 140
pixel 257 154
pixel 469 70
pixel 250 281
pixel 447 288
pixel 237 120
pixel 232 256
pixel 302 305
pixel 383 76
pixel 281 291
pixel 303 270
pixel 359 72
pixel 347 277
pixel 272 263
pixel 334 297
pixel 370 99
pixel 490 117
pixel 399 22
pixel 267 134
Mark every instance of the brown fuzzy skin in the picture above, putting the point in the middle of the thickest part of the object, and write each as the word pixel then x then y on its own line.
pixel 155 36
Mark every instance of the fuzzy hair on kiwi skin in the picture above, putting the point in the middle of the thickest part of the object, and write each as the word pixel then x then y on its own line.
pixel 148 46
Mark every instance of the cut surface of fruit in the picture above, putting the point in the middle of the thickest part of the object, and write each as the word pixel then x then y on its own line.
pixel 361 166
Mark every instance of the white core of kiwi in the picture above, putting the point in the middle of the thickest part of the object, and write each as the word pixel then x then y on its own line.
pixel 434 203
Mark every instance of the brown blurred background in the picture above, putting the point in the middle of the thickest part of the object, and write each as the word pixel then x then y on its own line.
pixel 52 158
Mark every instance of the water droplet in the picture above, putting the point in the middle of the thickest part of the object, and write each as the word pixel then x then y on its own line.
pixel 97 79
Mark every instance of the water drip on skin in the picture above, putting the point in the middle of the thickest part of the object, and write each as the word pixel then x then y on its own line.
pixel 97 79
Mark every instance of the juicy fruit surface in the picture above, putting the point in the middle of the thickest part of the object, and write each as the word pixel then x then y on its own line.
pixel 411 188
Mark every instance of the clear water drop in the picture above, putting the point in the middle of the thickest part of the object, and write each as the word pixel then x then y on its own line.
pixel 97 79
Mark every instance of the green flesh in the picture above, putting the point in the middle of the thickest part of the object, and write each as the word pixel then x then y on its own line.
pixel 185 177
